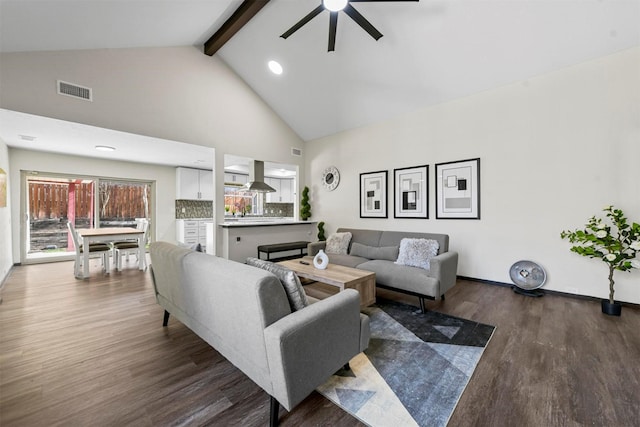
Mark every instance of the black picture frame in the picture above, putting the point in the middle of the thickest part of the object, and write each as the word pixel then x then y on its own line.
pixel 411 192
pixel 373 194
pixel 458 189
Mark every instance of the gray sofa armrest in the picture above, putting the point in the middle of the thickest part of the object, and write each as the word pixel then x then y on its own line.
pixel 308 346
pixel 314 247
pixel 444 267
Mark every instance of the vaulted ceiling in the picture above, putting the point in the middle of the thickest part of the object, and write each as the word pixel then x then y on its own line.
pixel 432 51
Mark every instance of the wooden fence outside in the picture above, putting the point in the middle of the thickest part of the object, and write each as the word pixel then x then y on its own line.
pixel 51 200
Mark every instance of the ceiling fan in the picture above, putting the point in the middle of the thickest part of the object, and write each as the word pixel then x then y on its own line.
pixel 335 6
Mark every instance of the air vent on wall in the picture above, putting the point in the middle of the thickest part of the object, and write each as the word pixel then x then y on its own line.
pixel 74 90
pixel 297 152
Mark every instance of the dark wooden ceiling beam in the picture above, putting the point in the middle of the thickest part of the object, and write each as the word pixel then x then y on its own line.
pixel 240 17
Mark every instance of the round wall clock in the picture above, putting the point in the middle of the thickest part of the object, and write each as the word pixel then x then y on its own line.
pixel 330 178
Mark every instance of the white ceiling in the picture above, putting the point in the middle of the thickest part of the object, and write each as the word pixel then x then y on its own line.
pixel 432 51
pixel 38 133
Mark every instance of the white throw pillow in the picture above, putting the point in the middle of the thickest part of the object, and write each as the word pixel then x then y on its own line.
pixel 338 243
pixel 417 252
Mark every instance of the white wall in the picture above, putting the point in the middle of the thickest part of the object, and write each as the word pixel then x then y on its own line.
pixel 175 93
pixel 6 260
pixel 554 150
pixel 164 176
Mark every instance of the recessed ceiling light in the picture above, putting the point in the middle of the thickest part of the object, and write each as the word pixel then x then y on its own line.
pixel 27 138
pixel 275 67
pixel 105 148
pixel 335 5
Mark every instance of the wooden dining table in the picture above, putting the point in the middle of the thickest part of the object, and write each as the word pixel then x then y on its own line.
pixel 107 235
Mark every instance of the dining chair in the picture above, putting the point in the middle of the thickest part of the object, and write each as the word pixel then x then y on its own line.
pixel 101 249
pixel 130 247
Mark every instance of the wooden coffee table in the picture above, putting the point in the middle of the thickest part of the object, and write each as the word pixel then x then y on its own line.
pixel 336 276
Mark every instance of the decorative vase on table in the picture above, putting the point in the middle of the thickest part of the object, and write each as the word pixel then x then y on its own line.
pixel 321 260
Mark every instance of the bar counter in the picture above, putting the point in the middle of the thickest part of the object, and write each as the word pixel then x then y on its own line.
pixel 241 238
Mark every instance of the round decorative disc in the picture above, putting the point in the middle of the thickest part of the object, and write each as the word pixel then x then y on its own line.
pixel 330 178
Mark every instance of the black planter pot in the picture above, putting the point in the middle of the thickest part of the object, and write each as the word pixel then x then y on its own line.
pixel 614 309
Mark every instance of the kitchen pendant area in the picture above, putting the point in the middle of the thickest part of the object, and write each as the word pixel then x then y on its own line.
pixel 263 216
pixel 242 203
pixel 261 206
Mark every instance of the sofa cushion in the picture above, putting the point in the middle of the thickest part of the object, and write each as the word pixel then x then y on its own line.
pixel 411 279
pixel 292 286
pixel 389 253
pixel 346 260
pixel 417 252
pixel 338 243
pixel 391 238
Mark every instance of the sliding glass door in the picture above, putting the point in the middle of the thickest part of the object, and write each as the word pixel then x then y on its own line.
pixel 121 202
pixel 53 200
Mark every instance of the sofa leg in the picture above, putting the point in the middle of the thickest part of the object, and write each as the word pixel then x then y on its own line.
pixel 422 307
pixel 274 412
pixel 166 318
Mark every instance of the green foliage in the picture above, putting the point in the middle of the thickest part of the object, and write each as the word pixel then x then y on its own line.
pixel 613 241
pixel 321 231
pixel 305 207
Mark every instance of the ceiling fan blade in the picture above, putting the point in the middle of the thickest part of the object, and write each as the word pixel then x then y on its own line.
pixel 333 24
pixel 303 21
pixel 361 20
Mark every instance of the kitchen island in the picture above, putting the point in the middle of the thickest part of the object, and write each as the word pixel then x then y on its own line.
pixel 241 237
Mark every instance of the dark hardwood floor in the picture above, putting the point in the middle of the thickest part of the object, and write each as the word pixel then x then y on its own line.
pixel 94 353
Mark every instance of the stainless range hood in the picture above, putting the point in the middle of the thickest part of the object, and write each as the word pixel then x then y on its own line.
pixel 256 178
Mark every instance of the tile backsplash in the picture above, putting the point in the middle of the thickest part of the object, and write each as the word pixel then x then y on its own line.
pixel 278 209
pixel 194 209
pixel 204 209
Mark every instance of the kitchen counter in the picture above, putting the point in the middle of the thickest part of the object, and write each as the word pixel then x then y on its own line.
pixel 241 238
pixel 261 222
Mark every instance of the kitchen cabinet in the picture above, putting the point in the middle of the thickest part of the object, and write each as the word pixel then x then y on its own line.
pixel 284 190
pixel 192 231
pixel 275 184
pixel 194 184
pixel 235 178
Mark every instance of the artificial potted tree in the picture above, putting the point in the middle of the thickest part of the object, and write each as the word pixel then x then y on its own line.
pixel 613 241
pixel 305 207
pixel 321 236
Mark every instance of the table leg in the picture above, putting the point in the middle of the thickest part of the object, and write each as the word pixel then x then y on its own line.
pixel 141 255
pixel 85 258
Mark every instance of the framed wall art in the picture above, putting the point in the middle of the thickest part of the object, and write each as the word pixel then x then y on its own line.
pixel 373 194
pixel 458 190
pixel 411 192
pixel 3 189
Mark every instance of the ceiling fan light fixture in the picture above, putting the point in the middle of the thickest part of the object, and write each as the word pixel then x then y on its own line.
pixel 275 67
pixel 335 5
pixel 105 148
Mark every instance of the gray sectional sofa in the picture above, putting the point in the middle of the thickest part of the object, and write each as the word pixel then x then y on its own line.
pixel 377 252
pixel 244 313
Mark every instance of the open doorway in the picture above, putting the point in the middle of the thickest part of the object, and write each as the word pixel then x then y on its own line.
pixel 53 200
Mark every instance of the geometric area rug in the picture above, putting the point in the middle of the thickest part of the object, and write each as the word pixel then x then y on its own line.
pixel 415 369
